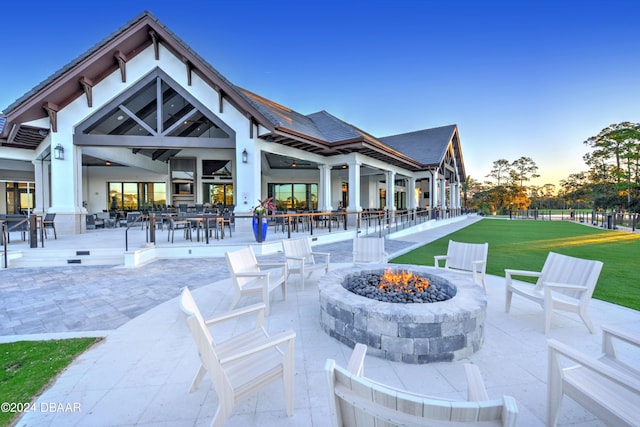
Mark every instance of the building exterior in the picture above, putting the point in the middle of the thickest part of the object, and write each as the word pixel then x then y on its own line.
pixel 141 120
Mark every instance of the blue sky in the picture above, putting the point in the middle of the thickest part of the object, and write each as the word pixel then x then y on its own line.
pixel 519 78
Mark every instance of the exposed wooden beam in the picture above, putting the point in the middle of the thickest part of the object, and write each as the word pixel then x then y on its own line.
pixel 156 44
pixel 122 64
pixel 220 101
pixel 189 66
pixel 13 133
pixel 87 86
pixel 251 123
pixel 52 111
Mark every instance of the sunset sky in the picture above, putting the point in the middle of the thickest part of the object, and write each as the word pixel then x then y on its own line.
pixel 519 79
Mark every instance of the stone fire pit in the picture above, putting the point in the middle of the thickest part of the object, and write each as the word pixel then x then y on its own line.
pixel 411 333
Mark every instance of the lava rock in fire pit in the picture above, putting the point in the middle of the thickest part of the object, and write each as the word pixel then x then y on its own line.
pixel 368 284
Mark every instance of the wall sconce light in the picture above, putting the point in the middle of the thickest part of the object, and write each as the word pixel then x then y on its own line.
pixel 245 156
pixel 58 152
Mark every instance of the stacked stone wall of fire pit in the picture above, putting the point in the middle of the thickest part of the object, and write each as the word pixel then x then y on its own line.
pixel 411 333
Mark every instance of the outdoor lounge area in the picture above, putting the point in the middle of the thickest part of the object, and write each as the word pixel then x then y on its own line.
pixel 141 373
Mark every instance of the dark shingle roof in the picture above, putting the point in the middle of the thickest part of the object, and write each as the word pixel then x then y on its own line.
pixel 333 128
pixel 427 146
pixel 281 116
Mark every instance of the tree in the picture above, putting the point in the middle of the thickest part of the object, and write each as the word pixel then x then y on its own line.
pixel 548 191
pixel 500 171
pixel 576 189
pixel 615 159
pixel 469 187
pixel 524 169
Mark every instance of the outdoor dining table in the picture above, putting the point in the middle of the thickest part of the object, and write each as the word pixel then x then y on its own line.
pixel 203 221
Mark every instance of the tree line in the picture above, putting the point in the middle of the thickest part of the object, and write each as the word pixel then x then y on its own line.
pixel 611 181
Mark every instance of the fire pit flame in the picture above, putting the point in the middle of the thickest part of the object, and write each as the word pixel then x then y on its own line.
pixel 403 281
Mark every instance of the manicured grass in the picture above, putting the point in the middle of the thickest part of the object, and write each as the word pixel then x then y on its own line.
pixel 524 244
pixel 27 367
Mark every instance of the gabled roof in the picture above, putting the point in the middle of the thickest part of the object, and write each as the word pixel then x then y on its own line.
pixel 320 132
pixel 72 80
pixel 428 146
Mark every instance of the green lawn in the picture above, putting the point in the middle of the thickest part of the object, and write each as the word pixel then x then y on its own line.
pixel 27 367
pixel 524 244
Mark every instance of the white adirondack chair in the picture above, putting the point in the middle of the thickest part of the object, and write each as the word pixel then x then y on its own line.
pixel 369 250
pixel 301 259
pixel 357 401
pixel 466 258
pixel 250 278
pixel 565 283
pixel 243 365
pixel 607 386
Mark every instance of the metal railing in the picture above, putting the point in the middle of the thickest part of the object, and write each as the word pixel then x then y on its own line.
pixel 378 222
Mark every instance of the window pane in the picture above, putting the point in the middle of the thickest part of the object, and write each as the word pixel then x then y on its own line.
pixel 313 191
pixel 228 194
pixel 130 195
pixel 115 195
pixel 282 196
pixel 300 196
pixel 159 193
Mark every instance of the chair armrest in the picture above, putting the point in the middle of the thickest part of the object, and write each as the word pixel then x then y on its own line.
pixel 271 265
pixel 326 256
pixel 437 258
pixel 273 341
pixel 565 286
pixel 622 334
pixel 614 375
pixel 512 272
pixel 476 390
pixel 253 274
pixel 609 351
pixel 356 361
pixel 255 308
pixel 479 264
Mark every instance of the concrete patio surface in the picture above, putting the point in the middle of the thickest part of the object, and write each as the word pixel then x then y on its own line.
pixel 140 372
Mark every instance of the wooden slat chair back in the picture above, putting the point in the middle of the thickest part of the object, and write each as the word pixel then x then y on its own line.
pixel 565 283
pixel 302 260
pixel 239 369
pixel 250 278
pixel 369 250
pixel 357 401
pixel 466 258
pixel 607 386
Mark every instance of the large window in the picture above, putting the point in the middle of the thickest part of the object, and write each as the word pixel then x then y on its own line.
pixel 294 196
pixel 133 196
pixel 218 194
pixel 20 197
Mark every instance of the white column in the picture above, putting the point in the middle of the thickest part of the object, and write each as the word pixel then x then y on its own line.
pixel 452 196
pixel 41 173
pixel 443 197
pixel 354 187
pixel 248 181
pixel 391 184
pixel 433 199
pixel 66 186
pixel 412 196
pixel 324 188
